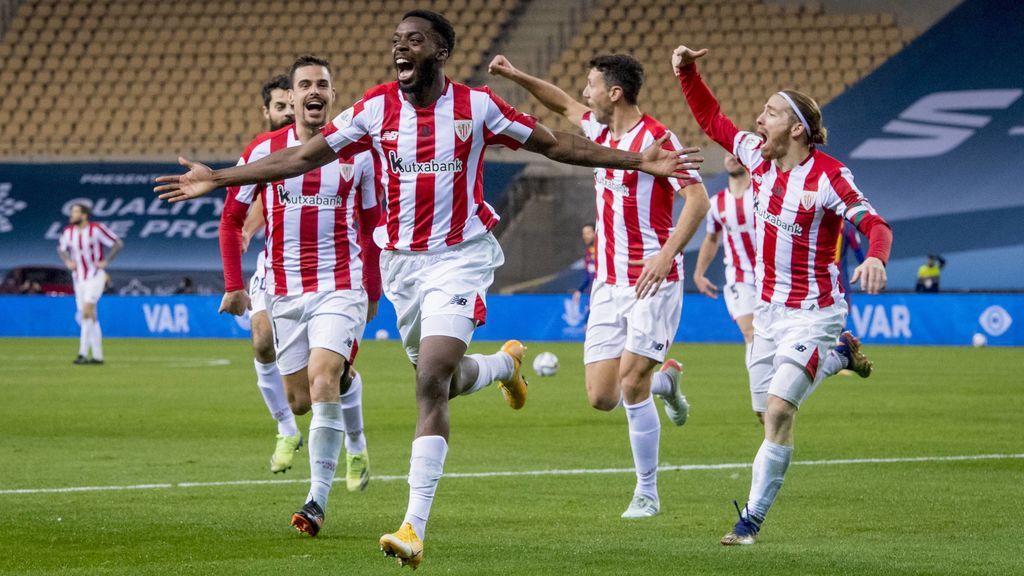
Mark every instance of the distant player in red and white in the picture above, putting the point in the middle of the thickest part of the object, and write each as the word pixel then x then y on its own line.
pixel 319 227
pixel 629 334
pixel 732 218
pixel 801 197
pixel 278 111
pixel 83 248
pixel 428 135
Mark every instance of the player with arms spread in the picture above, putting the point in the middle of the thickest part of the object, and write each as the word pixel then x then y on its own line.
pixel 315 280
pixel 801 197
pixel 639 254
pixel 428 135
pixel 81 248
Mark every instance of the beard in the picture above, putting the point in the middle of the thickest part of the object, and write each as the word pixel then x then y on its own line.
pixel 275 126
pixel 426 73
pixel 738 172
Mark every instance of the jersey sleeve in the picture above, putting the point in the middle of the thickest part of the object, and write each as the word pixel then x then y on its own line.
pixel 369 217
pixel 63 243
pixel 367 182
pixel 350 132
pixel 844 198
pixel 504 125
pixel 592 129
pixel 746 146
pixel 232 221
pixel 106 236
pixel 712 225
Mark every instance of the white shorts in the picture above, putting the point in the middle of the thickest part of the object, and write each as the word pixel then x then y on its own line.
pixel 451 282
pixel 88 291
pixel 618 321
pixel 782 334
pixel 740 299
pixel 331 320
pixel 258 286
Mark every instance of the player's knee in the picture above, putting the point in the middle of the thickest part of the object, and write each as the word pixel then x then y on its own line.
pixel 299 406
pixel 263 349
pixel 433 381
pixel 603 402
pixel 760 417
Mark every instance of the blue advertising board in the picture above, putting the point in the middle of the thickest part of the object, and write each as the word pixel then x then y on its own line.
pixel 909 319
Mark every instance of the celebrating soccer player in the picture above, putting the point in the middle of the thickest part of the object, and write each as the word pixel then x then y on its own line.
pixel 314 283
pixel 639 254
pixel 428 135
pixel 801 196
pixel 81 247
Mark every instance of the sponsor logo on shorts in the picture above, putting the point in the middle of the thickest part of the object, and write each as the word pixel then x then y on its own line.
pixel 800 348
pixel 458 301
pixel 659 346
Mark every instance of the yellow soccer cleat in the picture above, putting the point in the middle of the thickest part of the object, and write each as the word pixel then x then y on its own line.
pixel 404 545
pixel 514 389
pixel 357 471
pixel 856 361
pixel 284 452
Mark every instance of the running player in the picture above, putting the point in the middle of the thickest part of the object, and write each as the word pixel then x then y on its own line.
pixel 428 136
pixel 314 283
pixel 801 197
pixel 278 111
pixel 627 335
pixel 732 216
pixel 81 248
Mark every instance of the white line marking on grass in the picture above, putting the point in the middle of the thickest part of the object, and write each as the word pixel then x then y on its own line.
pixel 521 473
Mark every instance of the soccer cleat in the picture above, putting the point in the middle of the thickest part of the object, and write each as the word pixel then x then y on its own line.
pixel 284 452
pixel 641 507
pixel 404 545
pixel 98 361
pixel 80 360
pixel 514 389
pixel 849 346
pixel 357 471
pixel 676 407
pixel 744 532
pixel 309 519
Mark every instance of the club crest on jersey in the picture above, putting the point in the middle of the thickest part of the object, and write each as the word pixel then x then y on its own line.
pixel 463 128
pixel 808 198
pixel 347 170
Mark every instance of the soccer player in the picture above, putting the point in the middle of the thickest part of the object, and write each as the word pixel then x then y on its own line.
pixel 428 135
pixel 628 334
pixel 315 282
pixel 278 111
pixel 81 248
pixel 732 216
pixel 801 197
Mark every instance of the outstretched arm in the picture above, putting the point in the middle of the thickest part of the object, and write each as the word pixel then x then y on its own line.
pixel 702 102
pixel 573 149
pixel 551 96
pixel 200 180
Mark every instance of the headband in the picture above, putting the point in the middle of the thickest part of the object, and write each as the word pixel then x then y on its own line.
pixel 799 114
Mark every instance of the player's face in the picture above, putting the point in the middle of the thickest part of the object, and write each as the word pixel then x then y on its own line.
pixel 596 97
pixel 279 113
pixel 776 126
pixel 312 95
pixel 588 235
pixel 77 215
pixel 417 55
pixel 733 166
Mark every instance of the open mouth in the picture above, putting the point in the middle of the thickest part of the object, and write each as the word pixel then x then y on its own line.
pixel 405 69
pixel 763 135
pixel 314 105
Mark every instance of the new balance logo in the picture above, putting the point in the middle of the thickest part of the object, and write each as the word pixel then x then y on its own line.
pixel 659 346
pixel 458 301
pixel 398 165
pixel 800 348
pixel 936 124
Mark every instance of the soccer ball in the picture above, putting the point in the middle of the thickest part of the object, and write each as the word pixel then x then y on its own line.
pixel 979 340
pixel 545 364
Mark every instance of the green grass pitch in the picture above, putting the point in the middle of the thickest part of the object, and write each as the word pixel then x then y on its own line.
pixel 173 412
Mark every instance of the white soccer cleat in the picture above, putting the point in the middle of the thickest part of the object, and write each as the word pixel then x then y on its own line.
pixel 641 507
pixel 676 407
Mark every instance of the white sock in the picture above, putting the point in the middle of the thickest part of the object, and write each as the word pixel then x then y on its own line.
pixel 661 384
pixel 352 416
pixel 268 378
pixel 425 467
pixel 84 335
pixel 96 340
pixel 497 366
pixel 644 436
pixel 325 432
pixel 834 362
pixel 769 469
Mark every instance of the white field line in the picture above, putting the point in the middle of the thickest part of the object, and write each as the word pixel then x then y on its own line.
pixel 520 473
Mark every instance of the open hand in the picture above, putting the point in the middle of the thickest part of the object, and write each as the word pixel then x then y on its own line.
pixel 871 274
pixel 197 182
pixel 706 287
pixel 656 270
pixel 659 161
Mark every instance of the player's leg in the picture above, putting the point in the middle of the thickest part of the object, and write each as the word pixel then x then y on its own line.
pixel 94 292
pixel 652 326
pixel 740 299
pixel 84 324
pixel 644 432
pixel 357 458
pixel 271 385
pixel 603 346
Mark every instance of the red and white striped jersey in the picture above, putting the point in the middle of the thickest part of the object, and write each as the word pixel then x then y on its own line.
pixel 84 246
pixel 429 161
pixel 634 209
pixel 313 221
pixel 733 218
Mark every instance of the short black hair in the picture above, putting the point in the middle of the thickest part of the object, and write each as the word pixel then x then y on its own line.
pixel 623 71
pixel 439 23
pixel 84 207
pixel 279 82
pixel 307 60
